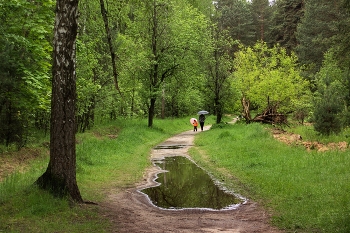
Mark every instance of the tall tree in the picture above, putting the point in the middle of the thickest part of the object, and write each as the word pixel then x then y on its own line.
pixel 110 44
pixel 286 17
pixel 159 70
pixel 60 175
pixel 236 18
pixel 316 31
pixel 342 42
pixel 169 33
pixel 268 76
pixel 219 66
pixel 261 13
pixel 331 98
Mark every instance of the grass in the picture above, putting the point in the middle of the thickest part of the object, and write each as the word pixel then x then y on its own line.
pixel 308 133
pixel 111 155
pixel 305 191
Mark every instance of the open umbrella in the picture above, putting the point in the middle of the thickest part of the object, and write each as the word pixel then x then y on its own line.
pixel 192 120
pixel 203 112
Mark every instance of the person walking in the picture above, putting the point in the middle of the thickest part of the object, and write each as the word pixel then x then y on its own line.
pixel 195 124
pixel 201 120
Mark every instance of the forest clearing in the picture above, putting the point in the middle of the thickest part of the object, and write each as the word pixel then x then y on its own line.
pixel 112 185
pixel 88 88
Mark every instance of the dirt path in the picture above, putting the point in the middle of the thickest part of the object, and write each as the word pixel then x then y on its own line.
pixel 130 211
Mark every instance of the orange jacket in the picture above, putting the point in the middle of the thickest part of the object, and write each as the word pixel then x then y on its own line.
pixel 195 123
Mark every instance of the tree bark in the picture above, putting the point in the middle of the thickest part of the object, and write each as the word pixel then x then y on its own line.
pixel 151 110
pixel 154 83
pixel 246 109
pixel 60 175
pixel 110 45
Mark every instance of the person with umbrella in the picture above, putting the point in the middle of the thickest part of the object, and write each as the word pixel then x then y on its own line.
pixel 194 122
pixel 202 118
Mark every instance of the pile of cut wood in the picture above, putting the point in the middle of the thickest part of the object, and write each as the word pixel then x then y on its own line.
pixel 271 116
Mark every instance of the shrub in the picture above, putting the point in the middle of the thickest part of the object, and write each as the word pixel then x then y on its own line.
pixel 326 117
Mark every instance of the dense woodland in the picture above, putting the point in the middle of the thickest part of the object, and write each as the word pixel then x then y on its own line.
pixel 170 58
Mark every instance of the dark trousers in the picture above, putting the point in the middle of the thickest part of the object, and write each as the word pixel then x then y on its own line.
pixel 202 125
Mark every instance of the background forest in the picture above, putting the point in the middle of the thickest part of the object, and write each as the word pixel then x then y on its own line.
pixel 172 58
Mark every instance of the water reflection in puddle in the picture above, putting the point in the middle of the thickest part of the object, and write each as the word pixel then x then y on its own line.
pixel 185 185
pixel 162 147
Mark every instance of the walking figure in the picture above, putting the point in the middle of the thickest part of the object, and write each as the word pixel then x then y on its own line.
pixel 201 120
pixel 195 124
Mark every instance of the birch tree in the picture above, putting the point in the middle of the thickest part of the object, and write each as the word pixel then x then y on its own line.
pixel 60 175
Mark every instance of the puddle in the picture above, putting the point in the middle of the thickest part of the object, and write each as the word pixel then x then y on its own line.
pixel 185 185
pixel 162 147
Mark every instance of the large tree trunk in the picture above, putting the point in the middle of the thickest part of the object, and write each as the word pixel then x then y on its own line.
pixel 246 109
pixel 60 175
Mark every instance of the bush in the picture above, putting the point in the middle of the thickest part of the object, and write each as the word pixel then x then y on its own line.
pixel 326 117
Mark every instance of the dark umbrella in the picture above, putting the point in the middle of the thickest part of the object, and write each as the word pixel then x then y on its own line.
pixel 203 112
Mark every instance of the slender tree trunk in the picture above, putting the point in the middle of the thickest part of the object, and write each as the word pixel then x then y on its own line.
pixel 110 45
pixel 154 75
pixel 60 175
pixel 132 102
pixel 151 112
pixel 163 104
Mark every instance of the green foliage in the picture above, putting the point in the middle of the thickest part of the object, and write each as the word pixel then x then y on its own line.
pixel 203 6
pixel 217 67
pixel 309 133
pixel 331 98
pixel 236 18
pixel 262 73
pixel 285 20
pixel 25 54
pixel 165 64
pixel 261 14
pixel 295 185
pixel 326 120
pixel 317 31
pixel 342 39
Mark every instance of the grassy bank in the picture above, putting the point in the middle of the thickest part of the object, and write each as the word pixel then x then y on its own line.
pixel 305 191
pixel 112 155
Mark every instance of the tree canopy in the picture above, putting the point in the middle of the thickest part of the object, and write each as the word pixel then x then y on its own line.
pixel 170 58
pixel 269 75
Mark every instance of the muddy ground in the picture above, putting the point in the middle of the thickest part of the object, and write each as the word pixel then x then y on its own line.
pixel 131 211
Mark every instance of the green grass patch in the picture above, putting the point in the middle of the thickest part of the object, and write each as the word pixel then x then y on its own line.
pixel 309 134
pixel 305 191
pixel 110 155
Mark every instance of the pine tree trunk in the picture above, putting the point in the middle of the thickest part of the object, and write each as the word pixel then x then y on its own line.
pixel 60 176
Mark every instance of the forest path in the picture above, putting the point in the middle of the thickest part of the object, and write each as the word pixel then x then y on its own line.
pixel 130 211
